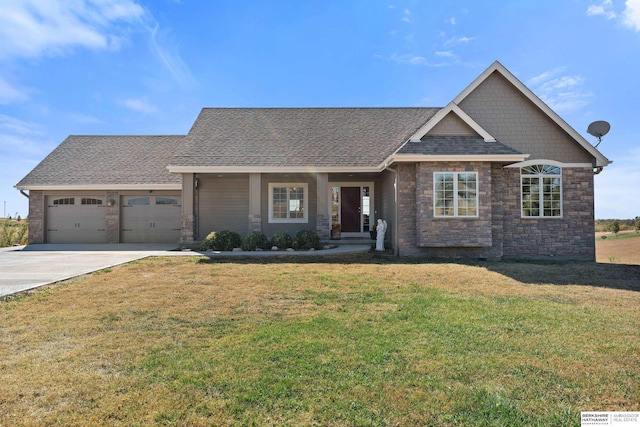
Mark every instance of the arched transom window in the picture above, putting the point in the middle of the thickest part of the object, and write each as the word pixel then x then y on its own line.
pixel 541 191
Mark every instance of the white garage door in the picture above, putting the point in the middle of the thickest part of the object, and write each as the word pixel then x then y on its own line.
pixel 76 220
pixel 150 219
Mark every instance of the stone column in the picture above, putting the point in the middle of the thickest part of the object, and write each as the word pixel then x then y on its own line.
pixel 112 216
pixel 36 216
pixel 187 218
pixel 323 214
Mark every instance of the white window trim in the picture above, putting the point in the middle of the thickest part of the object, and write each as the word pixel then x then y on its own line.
pixel 305 218
pixel 541 200
pixel 455 199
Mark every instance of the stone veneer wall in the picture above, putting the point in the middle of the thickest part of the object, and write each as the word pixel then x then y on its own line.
pixel 36 216
pixel 453 231
pixel 407 245
pixel 511 237
pixel 112 216
pixel 571 237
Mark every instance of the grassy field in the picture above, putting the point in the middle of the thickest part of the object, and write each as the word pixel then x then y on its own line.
pixel 621 249
pixel 364 340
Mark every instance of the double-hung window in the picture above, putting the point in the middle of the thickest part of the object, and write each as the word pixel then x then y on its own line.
pixel 455 194
pixel 288 202
pixel 541 191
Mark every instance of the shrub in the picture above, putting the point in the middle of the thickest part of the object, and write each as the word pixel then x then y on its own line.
pixel 224 240
pixel 306 239
pixel 13 233
pixel 282 240
pixel 254 240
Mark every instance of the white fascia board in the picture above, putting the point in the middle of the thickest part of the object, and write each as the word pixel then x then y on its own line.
pixel 105 187
pixel 457 158
pixel 440 115
pixel 273 169
pixel 549 162
pixel 601 160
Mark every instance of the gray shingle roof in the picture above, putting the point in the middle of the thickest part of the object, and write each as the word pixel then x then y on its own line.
pixel 97 160
pixel 456 145
pixel 298 137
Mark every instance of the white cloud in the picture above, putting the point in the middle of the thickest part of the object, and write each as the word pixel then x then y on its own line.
pixel 451 20
pixel 631 15
pixel 410 59
pixel 563 93
pixel 31 28
pixel 605 9
pixel 445 54
pixel 406 15
pixel 139 105
pixel 458 40
pixel 19 136
pixel 171 59
pixel 10 94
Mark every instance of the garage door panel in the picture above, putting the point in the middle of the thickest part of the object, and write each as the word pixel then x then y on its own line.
pixel 151 219
pixel 71 220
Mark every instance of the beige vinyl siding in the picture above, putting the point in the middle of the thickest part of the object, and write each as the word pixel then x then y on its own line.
pixel 452 125
pixel 223 203
pixel 514 120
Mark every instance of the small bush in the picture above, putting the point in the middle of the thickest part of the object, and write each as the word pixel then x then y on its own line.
pixel 306 239
pixel 282 240
pixel 224 240
pixel 254 240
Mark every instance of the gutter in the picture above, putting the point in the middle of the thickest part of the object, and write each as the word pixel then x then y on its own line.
pixel 24 194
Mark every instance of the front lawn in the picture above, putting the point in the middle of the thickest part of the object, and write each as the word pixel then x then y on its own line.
pixel 363 340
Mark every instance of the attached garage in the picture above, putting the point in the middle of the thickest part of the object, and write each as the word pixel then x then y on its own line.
pixel 72 219
pixel 148 218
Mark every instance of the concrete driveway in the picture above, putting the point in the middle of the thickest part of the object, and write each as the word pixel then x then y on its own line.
pixel 27 267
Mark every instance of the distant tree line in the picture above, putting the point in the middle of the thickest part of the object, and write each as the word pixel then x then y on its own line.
pixel 617 225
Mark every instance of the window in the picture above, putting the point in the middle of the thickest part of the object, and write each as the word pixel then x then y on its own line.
pixel 288 202
pixel 455 194
pixel 166 201
pixel 65 201
pixel 541 191
pixel 138 201
pixel 90 201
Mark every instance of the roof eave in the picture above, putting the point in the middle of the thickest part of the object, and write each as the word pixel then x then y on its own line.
pixel 97 187
pixel 403 158
pixel 274 169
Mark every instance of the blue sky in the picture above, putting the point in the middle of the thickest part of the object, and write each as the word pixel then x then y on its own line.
pixel 148 67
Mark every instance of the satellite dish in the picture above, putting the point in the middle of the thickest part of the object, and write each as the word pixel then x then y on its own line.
pixel 599 129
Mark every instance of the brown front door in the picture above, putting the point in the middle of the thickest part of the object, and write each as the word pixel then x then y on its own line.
pixel 350 207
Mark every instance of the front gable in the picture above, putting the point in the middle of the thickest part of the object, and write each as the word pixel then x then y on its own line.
pixel 513 114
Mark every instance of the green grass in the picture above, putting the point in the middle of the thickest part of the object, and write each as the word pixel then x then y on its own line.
pixel 178 342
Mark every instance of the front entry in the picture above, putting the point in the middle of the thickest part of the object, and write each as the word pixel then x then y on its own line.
pixel 352 207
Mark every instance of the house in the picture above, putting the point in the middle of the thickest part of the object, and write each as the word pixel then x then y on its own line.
pixel 494 174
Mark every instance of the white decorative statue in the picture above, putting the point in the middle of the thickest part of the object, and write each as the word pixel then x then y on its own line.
pixel 380 228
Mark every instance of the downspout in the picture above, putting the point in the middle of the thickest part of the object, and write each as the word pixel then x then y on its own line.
pixel 396 249
pixel 24 194
pixel 598 170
